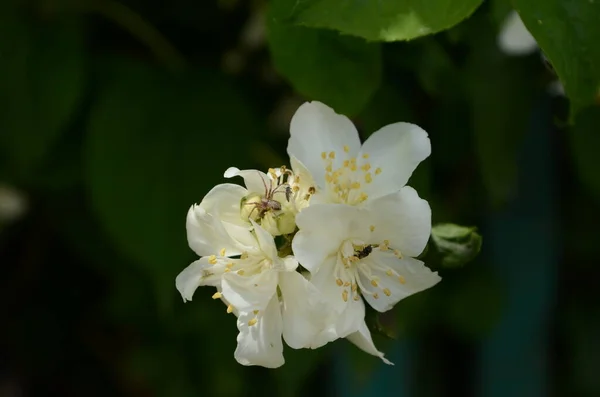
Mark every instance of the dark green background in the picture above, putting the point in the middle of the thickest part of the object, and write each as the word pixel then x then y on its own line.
pixel 116 117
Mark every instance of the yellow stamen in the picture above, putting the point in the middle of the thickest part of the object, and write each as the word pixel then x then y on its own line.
pixel 374 283
pixel 212 259
pixel 378 171
pixel 229 309
pixel 252 322
pixel 387 292
pixel 323 155
pixel 217 295
pixel 345 295
pixel 346 148
pixel 339 282
pixel 372 228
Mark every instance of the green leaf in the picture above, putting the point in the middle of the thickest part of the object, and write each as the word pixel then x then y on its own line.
pixel 584 141
pixel 157 144
pixel 568 32
pixel 341 71
pixel 457 245
pixel 382 20
pixel 41 81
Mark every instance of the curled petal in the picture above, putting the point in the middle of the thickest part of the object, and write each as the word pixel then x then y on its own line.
pixel 363 340
pixel 255 181
pixel 197 274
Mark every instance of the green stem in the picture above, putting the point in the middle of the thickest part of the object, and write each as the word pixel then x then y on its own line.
pixel 131 21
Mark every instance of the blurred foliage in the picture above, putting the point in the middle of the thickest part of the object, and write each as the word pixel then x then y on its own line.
pixel 568 33
pixel 386 20
pixel 116 116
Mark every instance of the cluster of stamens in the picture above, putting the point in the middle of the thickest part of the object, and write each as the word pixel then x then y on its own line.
pixel 281 181
pixel 345 182
pixel 354 265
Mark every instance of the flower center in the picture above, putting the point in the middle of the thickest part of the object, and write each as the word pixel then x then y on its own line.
pixel 346 179
pixel 355 263
pixel 276 207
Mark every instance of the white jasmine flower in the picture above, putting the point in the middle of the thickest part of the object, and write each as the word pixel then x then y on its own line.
pixel 368 252
pixel 269 297
pixel 328 145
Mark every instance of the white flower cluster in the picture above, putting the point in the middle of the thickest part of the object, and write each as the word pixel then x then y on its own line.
pixel 296 252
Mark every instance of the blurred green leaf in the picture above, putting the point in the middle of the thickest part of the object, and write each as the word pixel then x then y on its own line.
pixel 456 245
pixel 341 71
pixel 501 93
pixel 41 81
pixel 155 147
pixel 568 32
pixel 472 301
pixel 382 20
pixel 584 141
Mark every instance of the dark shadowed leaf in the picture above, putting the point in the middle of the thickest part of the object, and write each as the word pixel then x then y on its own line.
pixel 41 80
pixel 341 71
pixel 157 144
pixel 568 32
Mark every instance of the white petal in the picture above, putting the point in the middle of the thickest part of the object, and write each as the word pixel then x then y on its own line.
pixel 247 293
pixel 395 150
pixel 223 201
pixel 350 319
pixel 362 339
pixel 348 313
pixel 404 219
pixel 323 227
pixel 306 179
pixel 255 181
pixel 192 277
pixel 514 38
pixel 206 234
pixel 260 344
pixel 316 128
pixel 307 318
pixel 265 242
pixel 407 277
